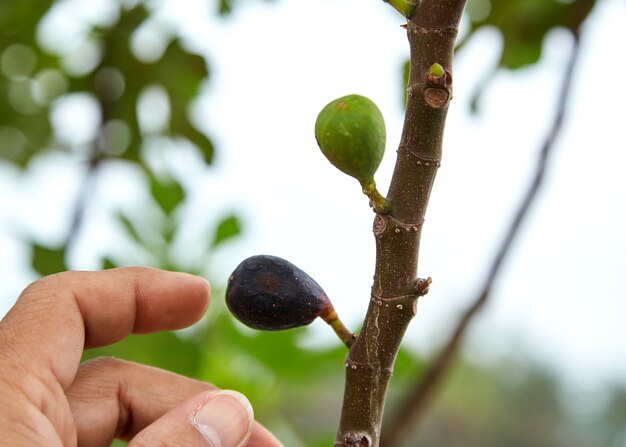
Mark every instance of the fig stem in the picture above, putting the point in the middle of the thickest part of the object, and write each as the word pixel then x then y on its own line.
pixel 332 319
pixel 377 201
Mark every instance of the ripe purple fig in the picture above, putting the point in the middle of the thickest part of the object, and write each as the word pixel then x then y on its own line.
pixel 269 293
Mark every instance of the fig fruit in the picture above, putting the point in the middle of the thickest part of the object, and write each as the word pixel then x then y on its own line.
pixel 350 131
pixel 404 7
pixel 436 70
pixel 269 293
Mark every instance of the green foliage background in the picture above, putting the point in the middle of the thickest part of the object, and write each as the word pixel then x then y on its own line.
pixel 296 391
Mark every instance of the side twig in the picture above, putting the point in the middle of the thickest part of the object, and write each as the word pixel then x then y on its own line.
pixel 409 414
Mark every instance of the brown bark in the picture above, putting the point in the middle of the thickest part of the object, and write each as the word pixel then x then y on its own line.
pixel 431 32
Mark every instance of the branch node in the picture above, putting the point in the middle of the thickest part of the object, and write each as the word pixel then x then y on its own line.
pixel 451 31
pixel 436 97
pixel 438 76
pixel 356 440
pixel 405 303
pixel 406 226
pixel 438 92
pixel 421 160
pixel 351 364
pixel 377 300
pixel 380 225
pixel 422 286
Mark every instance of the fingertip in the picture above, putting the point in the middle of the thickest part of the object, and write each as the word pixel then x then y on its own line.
pixel 199 292
pixel 225 418
pixel 196 280
pixel 211 418
pixel 205 287
pixel 199 287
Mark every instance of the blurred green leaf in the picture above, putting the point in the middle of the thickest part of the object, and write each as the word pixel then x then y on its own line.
pixel 225 7
pixel 524 24
pixel 178 71
pixel 18 20
pixel 167 193
pixel 24 125
pixel 165 350
pixel 228 228
pixel 130 228
pixel 108 264
pixel 183 86
pixel 47 261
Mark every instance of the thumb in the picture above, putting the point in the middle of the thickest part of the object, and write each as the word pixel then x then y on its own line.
pixel 217 418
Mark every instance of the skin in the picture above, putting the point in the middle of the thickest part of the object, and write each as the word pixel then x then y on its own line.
pixel 50 399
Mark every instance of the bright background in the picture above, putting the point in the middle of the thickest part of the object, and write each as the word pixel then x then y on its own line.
pixel 561 297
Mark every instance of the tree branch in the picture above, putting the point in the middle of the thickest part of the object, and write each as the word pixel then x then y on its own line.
pixel 409 414
pixel 82 199
pixel 431 31
pixel 97 155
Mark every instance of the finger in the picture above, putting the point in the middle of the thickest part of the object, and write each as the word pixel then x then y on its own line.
pixel 59 315
pixel 213 419
pixel 114 398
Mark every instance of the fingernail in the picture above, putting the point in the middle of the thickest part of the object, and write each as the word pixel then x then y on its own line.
pixel 224 419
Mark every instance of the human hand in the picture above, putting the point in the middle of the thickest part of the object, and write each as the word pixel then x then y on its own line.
pixel 49 399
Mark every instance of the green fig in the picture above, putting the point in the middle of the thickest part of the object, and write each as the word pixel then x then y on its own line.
pixel 350 131
pixel 404 7
pixel 437 70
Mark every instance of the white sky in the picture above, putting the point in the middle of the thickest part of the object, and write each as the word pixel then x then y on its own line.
pixel 562 295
